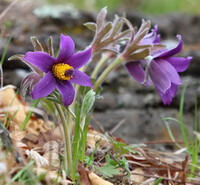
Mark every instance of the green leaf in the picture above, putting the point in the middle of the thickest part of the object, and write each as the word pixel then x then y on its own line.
pixel 89 160
pixel 123 34
pixel 88 102
pixel 101 18
pixel 140 35
pixel 122 148
pixel 16 57
pixel 117 28
pixel 104 31
pixel 140 55
pixel 91 26
pixel 138 47
pixel 112 166
pixel 109 170
pixel 124 163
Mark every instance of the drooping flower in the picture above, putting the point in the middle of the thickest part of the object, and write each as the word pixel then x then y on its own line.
pixel 60 72
pixel 142 42
pixel 28 83
pixel 162 69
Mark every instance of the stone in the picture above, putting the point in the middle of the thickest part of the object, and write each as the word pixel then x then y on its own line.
pixel 140 125
pixel 14 77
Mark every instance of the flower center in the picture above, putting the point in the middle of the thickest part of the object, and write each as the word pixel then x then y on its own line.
pixel 63 71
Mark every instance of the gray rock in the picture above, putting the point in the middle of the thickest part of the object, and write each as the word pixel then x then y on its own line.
pixel 140 125
pixel 14 77
pixel 107 101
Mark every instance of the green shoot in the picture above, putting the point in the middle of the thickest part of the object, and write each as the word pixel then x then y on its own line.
pixel 158 181
pixel 191 141
pixel 181 122
pixel 26 175
pixel 166 121
pixel 195 147
pixel 28 116
pixel 75 145
pixel 82 121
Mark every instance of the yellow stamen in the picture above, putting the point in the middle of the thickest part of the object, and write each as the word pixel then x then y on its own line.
pixel 60 70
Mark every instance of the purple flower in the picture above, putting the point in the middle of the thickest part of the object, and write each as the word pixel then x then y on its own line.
pixel 60 72
pixel 162 70
pixel 152 37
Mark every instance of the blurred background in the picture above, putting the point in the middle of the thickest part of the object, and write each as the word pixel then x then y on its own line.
pixel 150 6
pixel 128 109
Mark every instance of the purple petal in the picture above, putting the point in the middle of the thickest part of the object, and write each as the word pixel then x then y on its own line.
pixel 67 91
pixel 81 78
pixel 44 87
pixel 66 48
pixel 79 59
pixel 169 71
pixel 136 71
pixel 157 39
pixel 179 63
pixel 171 52
pixel 152 37
pixel 169 94
pixel 159 78
pixel 40 59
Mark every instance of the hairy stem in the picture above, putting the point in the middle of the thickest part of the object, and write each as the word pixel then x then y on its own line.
pixel 102 77
pixel 103 60
pixel 68 151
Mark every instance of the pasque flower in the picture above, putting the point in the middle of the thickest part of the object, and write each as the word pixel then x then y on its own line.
pixel 162 69
pixel 151 38
pixel 107 34
pixel 60 72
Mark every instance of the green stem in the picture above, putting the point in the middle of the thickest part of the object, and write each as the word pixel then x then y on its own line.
pixel 68 151
pixel 103 60
pixel 28 116
pixel 77 87
pixel 102 77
